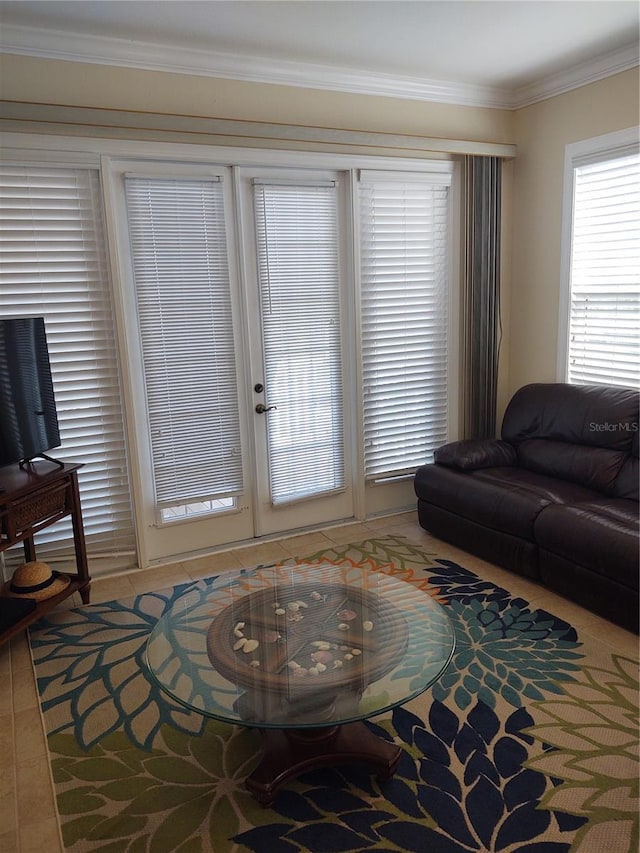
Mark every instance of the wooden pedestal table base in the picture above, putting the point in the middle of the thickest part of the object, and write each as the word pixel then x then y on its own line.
pixel 287 753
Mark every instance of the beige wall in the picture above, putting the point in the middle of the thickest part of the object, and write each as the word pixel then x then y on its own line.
pixel 79 84
pixel 541 133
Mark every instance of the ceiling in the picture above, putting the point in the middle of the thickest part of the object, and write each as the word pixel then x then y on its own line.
pixel 496 52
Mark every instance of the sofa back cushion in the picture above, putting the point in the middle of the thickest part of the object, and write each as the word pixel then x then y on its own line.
pixel 594 467
pixel 581 433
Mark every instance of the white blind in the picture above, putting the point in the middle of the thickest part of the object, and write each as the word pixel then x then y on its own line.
pixel 54 265
pixel 604 324
pixel 181 274
pixel 297 246
pixel 404 306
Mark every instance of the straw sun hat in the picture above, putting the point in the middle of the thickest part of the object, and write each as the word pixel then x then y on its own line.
pixel 36 580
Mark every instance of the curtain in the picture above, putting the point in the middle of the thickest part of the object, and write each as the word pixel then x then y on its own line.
pixel 482 185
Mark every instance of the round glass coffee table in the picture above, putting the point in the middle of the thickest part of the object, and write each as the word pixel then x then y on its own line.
pixel 304 653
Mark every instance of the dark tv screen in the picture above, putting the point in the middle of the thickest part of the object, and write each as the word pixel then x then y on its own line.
pixel 28 418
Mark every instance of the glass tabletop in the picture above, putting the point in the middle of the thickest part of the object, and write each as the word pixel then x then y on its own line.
pixel 300 646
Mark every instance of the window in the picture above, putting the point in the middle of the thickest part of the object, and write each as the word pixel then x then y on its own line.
pixel 602 263
pixel 54 265
pixel 181 277
pixel 404 238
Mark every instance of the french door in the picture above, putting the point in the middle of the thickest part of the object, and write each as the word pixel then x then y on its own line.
pixel 233 307
pixel 297 313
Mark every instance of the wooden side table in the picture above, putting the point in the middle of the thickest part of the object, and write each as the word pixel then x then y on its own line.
pixel 32 498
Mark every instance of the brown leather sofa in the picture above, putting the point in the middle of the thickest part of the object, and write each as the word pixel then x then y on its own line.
pixel 554 499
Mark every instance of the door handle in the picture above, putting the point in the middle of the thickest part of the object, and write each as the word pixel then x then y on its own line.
pixel 261 408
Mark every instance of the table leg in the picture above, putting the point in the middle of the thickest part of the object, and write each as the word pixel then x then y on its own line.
pixel 29 549
pixel 287 753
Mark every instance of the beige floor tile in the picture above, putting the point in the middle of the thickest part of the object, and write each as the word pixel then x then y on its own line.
pixel 8 805
pixel 348 533
pixel 73 601
pixel 35 792
pixel 20 654
pixel 7 741
pixel 30 741
pixel 212 564
pixel 9 841
pixel 158 577
pixel 23 689
pixel 305 544
pixel 7 784
pixel 384 522
pixel 262 554
pixel 42 836
pixel 111 588
pixel 6 704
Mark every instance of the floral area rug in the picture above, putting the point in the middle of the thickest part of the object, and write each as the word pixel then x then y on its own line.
pixel 527 743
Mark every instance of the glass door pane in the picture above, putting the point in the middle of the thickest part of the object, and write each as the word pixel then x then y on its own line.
pixel 298 354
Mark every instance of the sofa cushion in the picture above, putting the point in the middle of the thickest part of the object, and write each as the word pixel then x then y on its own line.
pixel 600 535
pixel 594 467
pixel 505 499
pixel 551 489
pixel 470 454
pixel 590 415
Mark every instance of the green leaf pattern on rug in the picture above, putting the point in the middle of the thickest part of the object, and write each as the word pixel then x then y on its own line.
pixel 172 796
pixel 393 551
pixel 594 729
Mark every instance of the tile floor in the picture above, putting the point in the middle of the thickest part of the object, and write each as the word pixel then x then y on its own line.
pixel 28 820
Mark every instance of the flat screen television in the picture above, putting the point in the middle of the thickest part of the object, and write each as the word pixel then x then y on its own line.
pixel 28 416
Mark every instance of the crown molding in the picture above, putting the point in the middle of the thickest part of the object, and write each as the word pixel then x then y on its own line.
pixel 53 44
pixel 578 75
pixel 102 50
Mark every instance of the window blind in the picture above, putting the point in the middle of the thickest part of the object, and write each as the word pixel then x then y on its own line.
pixel 54 265
pixel 404 309
pixel 297 247
pixel 181 274
pixel 604 324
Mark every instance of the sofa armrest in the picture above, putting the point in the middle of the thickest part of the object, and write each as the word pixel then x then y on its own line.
pixel 471 454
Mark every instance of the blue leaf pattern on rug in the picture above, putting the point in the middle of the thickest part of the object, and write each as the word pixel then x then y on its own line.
pixel 498 804
pixel 495 810
pixel 112 672
pixel 540 654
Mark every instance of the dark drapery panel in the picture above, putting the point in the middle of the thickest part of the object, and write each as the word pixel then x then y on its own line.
pixel 482 189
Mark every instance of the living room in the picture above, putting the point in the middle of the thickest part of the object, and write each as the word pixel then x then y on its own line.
pixel 116 96
pixel 55 98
